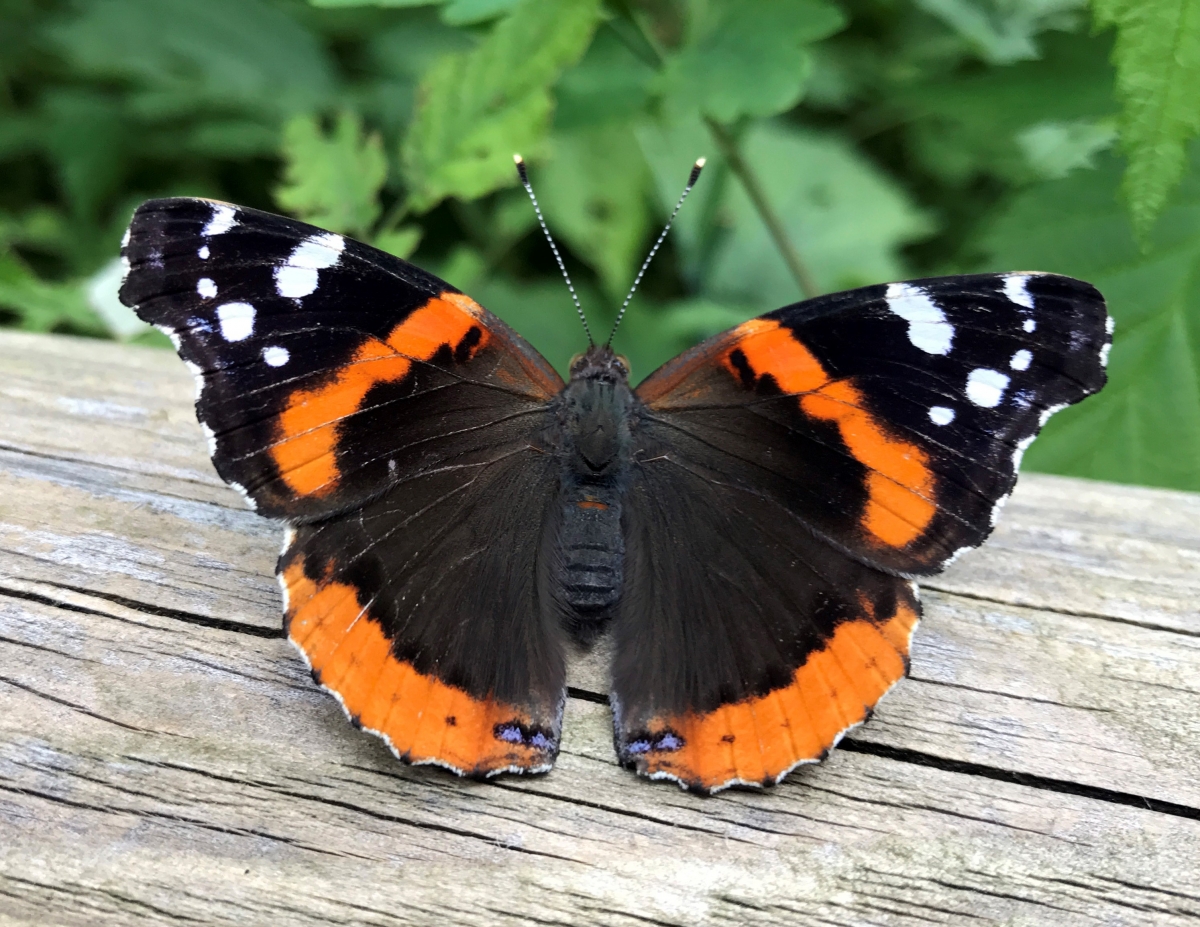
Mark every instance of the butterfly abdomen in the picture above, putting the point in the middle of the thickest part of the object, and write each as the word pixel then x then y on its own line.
pixel 594 419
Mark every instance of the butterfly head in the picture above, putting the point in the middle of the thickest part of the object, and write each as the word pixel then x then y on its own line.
pixel 599 362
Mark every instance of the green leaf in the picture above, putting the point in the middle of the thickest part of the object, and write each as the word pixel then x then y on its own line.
pixel 671 148
pixel 845 218
pixel 401 242
pixel 391 4
pixel 43 306
pixel 1158 73
pixel 1053 149
pixel 746 59
pixel 184 55
pixel 470 12
pixel 332 180
pixel 610 84
pixel 474 110
pixel 595 191
pixel 972 124
pixel 1144 427
pixel 1003 31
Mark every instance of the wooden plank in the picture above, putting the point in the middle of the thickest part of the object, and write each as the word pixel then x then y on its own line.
pixel 164 757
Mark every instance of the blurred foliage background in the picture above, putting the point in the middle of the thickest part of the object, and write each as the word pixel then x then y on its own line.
pixel 849 142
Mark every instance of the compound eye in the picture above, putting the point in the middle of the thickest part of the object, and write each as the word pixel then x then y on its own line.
pixel 623 363
pixel 575 362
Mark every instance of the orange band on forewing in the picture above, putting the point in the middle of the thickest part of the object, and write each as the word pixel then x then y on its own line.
pixel 900 484
pixel 422 718
pixel 759 739
pixel 770 348
pixel 305 455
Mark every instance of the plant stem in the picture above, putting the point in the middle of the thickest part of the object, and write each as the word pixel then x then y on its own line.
pixel 638 39
pixel 733 155
pixel 393 217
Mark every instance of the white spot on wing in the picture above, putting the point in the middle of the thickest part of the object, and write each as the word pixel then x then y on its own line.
pixel 237 321
pixel 275 355
pixel 203 253
pixel 1020 360
pixel 927 325
pixel 1014 289
pixel 295 282
pixel 1029 325
pixel 297 277
pixel 1110 324
pixel 941 415
pixel 1104 354
pixel 223 219
pixel 125 238
pixel 124 268
pixel 206 287
pixel 986 387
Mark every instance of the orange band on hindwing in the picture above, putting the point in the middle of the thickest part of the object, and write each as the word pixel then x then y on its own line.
pixel 757 740
pixel 423 719
pixel 899 482
pixel 308 426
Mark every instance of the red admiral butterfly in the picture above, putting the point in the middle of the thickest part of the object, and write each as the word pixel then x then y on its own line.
pixel 748 522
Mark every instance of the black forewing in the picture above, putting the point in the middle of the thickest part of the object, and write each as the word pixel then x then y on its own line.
pixel 965 370
pixel 276 317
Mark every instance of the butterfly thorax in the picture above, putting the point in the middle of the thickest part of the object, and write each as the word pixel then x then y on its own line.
pixel 593 415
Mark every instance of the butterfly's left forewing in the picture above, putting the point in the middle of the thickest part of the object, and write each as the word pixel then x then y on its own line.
pixel 790 474
pixel 391 420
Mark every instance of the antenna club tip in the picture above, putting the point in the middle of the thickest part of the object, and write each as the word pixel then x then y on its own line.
pixel 520 163
pixel 696 168
pixel 517 159
pixel 700 162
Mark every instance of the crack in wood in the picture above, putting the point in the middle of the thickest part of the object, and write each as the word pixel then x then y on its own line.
pixel 1031 780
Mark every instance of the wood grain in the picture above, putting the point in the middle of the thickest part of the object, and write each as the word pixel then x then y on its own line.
pixel 164 756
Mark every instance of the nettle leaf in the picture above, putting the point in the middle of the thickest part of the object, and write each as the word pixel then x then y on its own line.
pixel 1144 427
pixel 1003 31
pixel 332 180
pixel 1053 149
pixel 475 109
pixel 596 191
pixel 1157 55
pixel 845 218
pixel 746 59
pixel 975 123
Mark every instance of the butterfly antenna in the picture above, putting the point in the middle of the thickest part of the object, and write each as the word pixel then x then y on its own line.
pixel 692 178
pixel 520 162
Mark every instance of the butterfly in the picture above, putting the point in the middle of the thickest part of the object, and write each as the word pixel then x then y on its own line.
pixel 747 523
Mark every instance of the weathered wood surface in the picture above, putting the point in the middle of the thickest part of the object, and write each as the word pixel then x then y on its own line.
pixel 164 757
